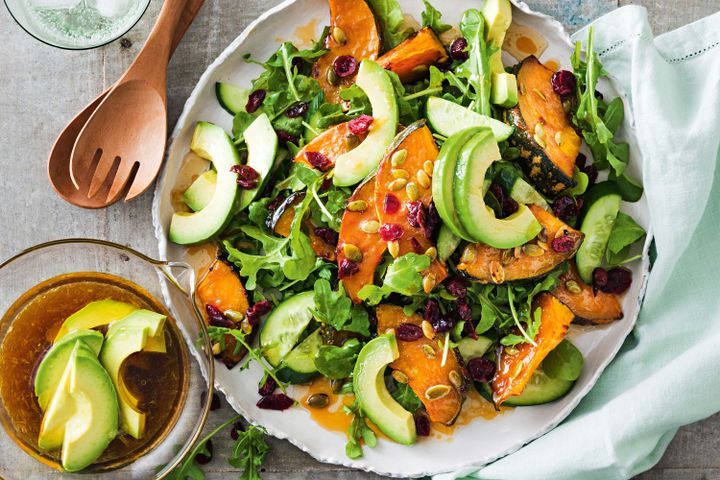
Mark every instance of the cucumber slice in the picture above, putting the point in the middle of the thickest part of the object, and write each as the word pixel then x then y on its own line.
pixel 447 242
pixel 448 118
pixel 539 390
pixel 283 327
pixel 470 348
pixel 299 365
pixel 262 144
pixel 602 207
pixel 231 97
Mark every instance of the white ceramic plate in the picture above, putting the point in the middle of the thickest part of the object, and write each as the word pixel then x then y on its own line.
pixel 481 441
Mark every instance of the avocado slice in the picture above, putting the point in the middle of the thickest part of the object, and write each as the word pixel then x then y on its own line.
pixel 52 366
pixel 498 17
pixel 372 395
pixel 82 416
pixel 353 166
pixel 212 143
pixel 504 90
pixel 201 191
pixel 126 338
pixel 94 314
pixel 476 218
pixel 262 145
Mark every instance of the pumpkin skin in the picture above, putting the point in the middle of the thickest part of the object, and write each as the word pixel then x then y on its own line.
pixel 411 59
pixel 424 372
pixel 357 22
pixel 281 220
pixel 514 371
pixel 596 308
pixel 332 143
pixel 370 244
pixel 479 261
pixel 421 147
pixel 550 166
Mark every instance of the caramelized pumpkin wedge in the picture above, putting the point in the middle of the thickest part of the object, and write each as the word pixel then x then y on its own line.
pixel 588 306
pixel 412 58
pixel 439 387
pixel 407 182
pixel 356 231
pixel 332 143
pixel 281 221
pixel 514 371
pixel 353 32
pixel 221 287
pixel 543 133
pixel 536 258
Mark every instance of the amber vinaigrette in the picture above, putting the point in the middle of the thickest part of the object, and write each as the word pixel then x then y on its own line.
pixel 158 380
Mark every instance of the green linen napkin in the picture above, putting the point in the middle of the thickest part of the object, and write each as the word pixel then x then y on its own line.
pixel 666 374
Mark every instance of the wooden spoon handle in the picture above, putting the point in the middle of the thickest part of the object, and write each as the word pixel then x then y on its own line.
pixel 186 18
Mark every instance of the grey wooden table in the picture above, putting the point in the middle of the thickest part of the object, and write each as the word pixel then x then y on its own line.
pixel 41 88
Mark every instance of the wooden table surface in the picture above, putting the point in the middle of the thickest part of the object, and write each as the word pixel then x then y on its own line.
pixel 42 87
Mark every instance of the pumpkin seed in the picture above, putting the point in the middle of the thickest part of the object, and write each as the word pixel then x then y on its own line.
pixel 428 166
pixel 399 376
pixel 437 391
pixel 512 351
pixel 456 379
pixel 518 369
pixel 352 140
pixel 539 130
pixel 469 254
pixel 522 89
pixel 216 350
pixel 234 315
pixel 419 70
pixel 245 326
pixel 497 272
pixel 339 36
pixel 558 138
pixel 540 94
pixel 432 253
pixel 398 157
pixel 332 77
pixel 567 105
pixel 423 179
pixel 352 252
pixel 543 245
pixel 429 282
pixel 540 141
pixel 532 250
pixel 394 248
pixel 357 206
pixel 507 257
pixel 337 385
pixel 517 252
pixel 399 173
pixel 428 330
pixel 412 191
pixel 573 286
pixel 318 400
pixel 396 184
pixel 428 351
pixel 370 226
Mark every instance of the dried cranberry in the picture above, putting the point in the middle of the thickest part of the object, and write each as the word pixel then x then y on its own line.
pixel 391 204
pixel 563 244
pixel 456 287
pixel 345 66
pixel 297 109
pixel 286 137
pixel 389 232
pixel 247 177
pixel 497 192
pixel 236 429
pixel 327 235
pixel 275 401
pixel 407 332
pixel 255 312
pixel 469 330
pixel 347 268
pixel 327 181
pixel 422 424
pixel 214 403
pixel 599 279
pixel 318 160
pixel 255 99
pixel 618 280
pixel 565 208
pixel 591 171
pixel 360 125
pixel 268 387
pixel 444 324
pixel 416 214
pixel 457 49
pixel 481 369
pixel 463 310
pixel 580 160
pixel 433 221
pixel 417 248
pixel 508 207
pixel 432 311
pixel 217 318
pixel 203 458
pixel 563 83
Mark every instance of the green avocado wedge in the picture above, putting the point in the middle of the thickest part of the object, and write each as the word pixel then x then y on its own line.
pixel 262 145
pixel 476 218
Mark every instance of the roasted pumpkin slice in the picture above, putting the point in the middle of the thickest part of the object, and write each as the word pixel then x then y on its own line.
pixel 332 143
pixel 543 133
pixel 400 183
pixel 359 239
pixel 412 58
pixel 588 306
pixel 439 387
pixel 492 265
pixel 281 221
pixel 221 287
pixel 514 371
pixel 353 32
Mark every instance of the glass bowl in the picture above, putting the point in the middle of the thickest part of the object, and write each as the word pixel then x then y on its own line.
pixel 77 24
pixel 172 285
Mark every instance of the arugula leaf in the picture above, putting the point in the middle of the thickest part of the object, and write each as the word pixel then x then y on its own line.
pixel 358 431
pixel 431 18
pixel 334 308
pixel 565 362
pixel 391 19
pixel 405 396
pixel 476 69
pixel 249 452
pixel 402 276
pixel 625 232
pixel 338 362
